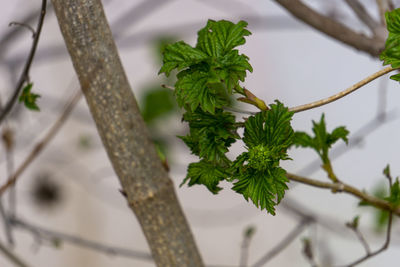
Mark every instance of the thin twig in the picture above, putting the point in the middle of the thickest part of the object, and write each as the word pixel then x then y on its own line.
pixel 11 256
pixel 360 237
pixel 49 235
pixel 41 145
pixel 342 93
pixel 363 15
pixel 371 45
pixel 244 252
pixel 383 6
pixel 24 25
pixel 341 187
pixel 25 73
pixel 383 248
pixel 291 236
pixel 7 225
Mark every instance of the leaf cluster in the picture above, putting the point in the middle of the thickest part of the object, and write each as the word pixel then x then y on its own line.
pixel 209 138
pixel 256 173
pixel 322 140
pixel 391 53
pixel 28 98
pixel 210 71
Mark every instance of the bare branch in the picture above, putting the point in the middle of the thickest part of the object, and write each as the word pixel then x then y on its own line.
pixel 11 256
pixel 25 73
pixel 343 93
pixel 49 235
pixel 332 28
pixel 291 236
pixel 341 187
pixel 363 15
pixel 41 145
pixel 383 248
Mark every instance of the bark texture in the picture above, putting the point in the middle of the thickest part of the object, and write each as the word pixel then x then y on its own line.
pixel 150 192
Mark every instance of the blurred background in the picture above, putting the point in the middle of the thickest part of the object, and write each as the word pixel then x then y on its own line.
pixel 67 205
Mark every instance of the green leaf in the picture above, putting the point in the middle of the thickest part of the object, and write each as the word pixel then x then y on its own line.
pixel 179 56
pixel 391 53
pixel 271 128
pixel 256 173
pixel 156 103
pixel 192 89
pixel 205 173
pixel 211 71
pixel 29 98
pixel 232 68
pixel 210 134
pixel 264 188
pixel 394 197
pixel 322 140
pixel 220 37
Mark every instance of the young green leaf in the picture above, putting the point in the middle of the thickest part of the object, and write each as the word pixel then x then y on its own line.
pixel 220 37
pixel 391 53
pixel 29 98
pixel 192 89
pixel 211 71
pixel 179 56
pixel 256 173
pixel 264 188
pixel 322 140
pixel 210 134
pixel 394 196
pixel 205 173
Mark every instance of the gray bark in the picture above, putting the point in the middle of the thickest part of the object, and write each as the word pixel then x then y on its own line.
pixel 150 192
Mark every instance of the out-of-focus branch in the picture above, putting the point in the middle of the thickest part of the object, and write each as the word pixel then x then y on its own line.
pixel 363 15
pixel 25 73
pixel 44 234
pixel 332 28
pixel 291 236
pixel 383 6
pixel 41 145
pixel 11 256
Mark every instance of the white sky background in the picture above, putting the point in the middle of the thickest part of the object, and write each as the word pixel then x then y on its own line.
pixel 291 62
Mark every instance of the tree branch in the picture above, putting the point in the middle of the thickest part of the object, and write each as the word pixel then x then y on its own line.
pixel 25 73
pixel 283 244
pixel 50 235
pixel 41 145
pixel 363 15
pixel 341 187
pixel 343 93
pixel 11 256
pixel 150 192
pixel 371 45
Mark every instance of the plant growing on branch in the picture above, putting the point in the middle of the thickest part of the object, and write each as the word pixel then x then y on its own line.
pixel 208 75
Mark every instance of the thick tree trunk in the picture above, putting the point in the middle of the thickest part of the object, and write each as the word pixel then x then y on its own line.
pixel 150 193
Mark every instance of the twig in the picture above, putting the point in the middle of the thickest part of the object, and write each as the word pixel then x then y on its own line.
pixel 341 187
pixel 363 15
pixel 11 256
pixel 24 25
pixel 244 252
pixel 383 248
pixel 7 225
pixel 50 235
pixel 360 236
pixel 25 73
pixel 41 145
pixel 342 93
pixel 281 245
pixel 340 32
pixel 383 6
